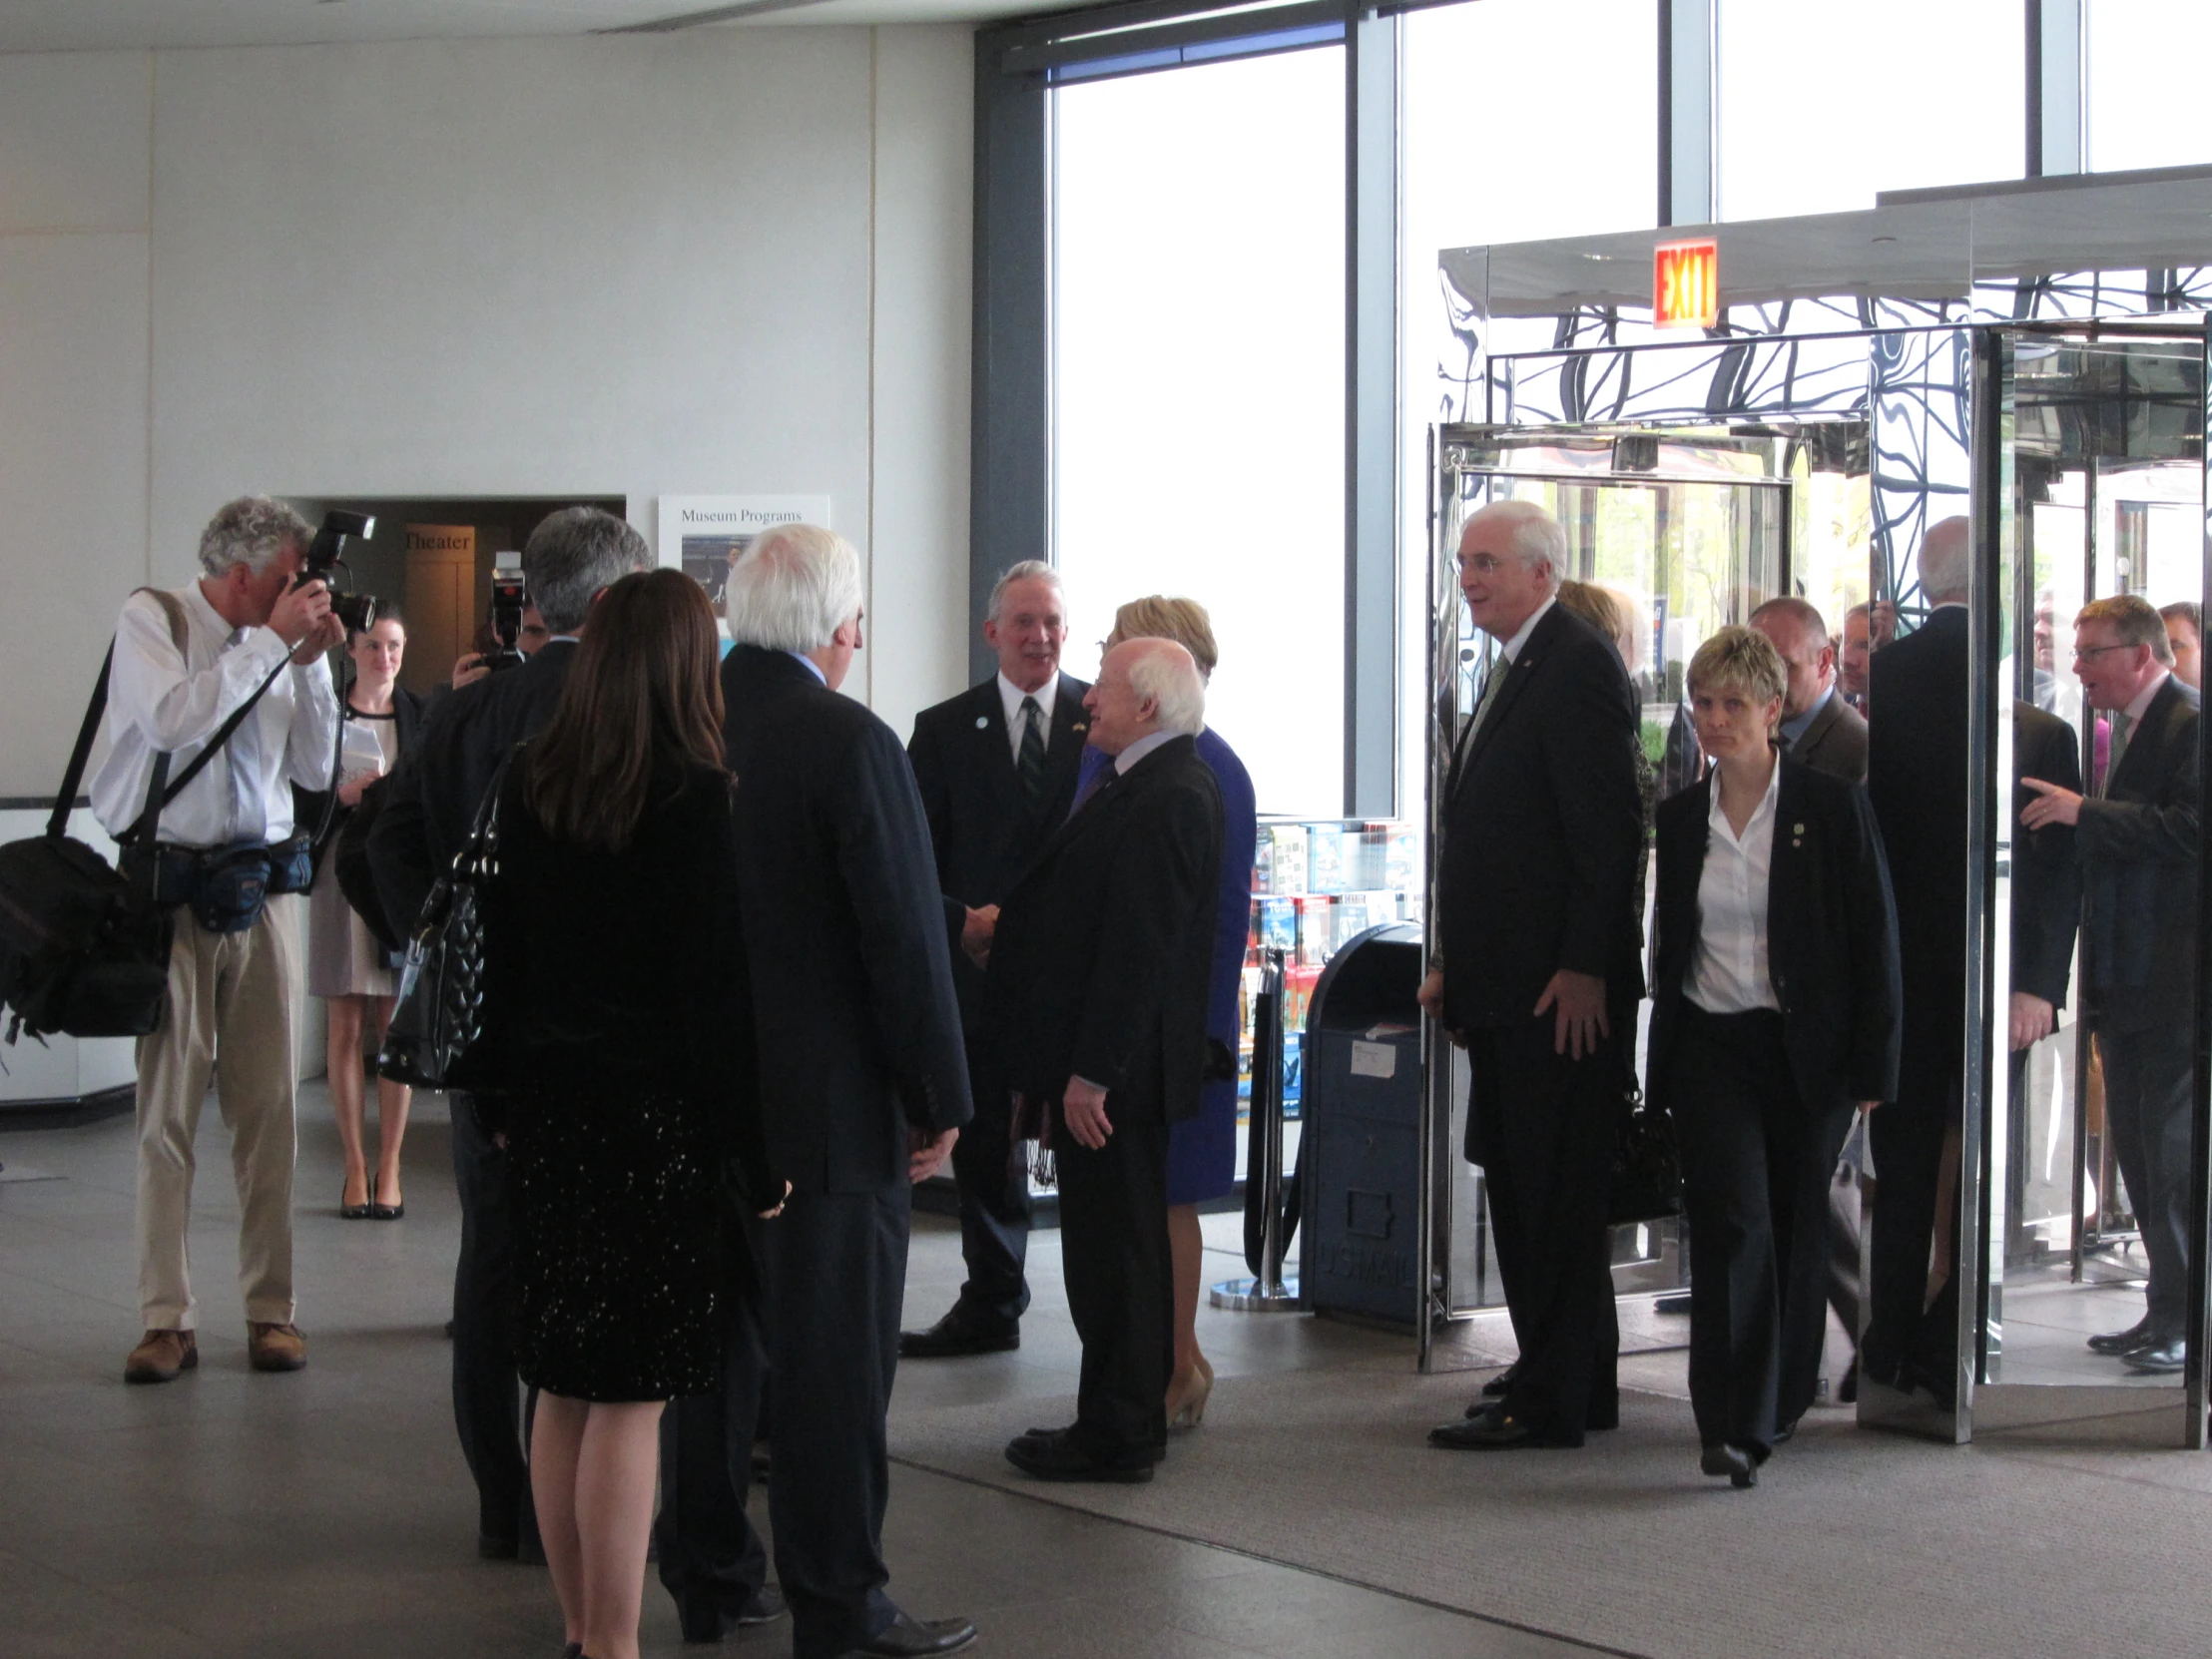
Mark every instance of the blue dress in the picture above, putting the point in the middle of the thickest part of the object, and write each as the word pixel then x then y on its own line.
pixel 1202 1149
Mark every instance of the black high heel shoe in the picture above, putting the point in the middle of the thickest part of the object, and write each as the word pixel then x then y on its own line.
pixel 384 1211
pixel 358 1212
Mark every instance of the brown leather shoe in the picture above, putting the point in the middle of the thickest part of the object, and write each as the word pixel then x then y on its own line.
pixel 275 1346
pixel 161 1355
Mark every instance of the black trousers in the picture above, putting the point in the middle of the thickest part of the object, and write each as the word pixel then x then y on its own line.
pixel 1114 1256
pixel 990 1172
pixel 1756 1165
pixel 1544 1127
pixel 487 1395
pixel 709 1552
pixel 2146 1101
pixel 833 1271
pixel 1906 1138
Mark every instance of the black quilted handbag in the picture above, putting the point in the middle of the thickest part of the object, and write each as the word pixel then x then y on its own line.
pixel 1647 1165
pixel 440 1000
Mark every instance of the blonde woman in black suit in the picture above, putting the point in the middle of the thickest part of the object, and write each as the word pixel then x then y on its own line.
pixel 1776 1017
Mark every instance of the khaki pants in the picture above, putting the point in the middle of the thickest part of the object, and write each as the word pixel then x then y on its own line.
pixel 230 1012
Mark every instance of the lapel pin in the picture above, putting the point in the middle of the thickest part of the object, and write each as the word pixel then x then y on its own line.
pixel 1796 829
pixel 1078 726
pixel 981 721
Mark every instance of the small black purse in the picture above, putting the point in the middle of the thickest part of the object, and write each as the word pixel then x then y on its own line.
pixel 440 1000
pixel 1647 1163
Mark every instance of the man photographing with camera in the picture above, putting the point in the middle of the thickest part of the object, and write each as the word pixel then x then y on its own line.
pixel 185 662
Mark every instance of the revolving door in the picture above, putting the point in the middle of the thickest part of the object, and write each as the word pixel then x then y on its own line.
pixel 2074 452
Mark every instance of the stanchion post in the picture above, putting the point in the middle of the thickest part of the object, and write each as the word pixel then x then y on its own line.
pixel 1270 1292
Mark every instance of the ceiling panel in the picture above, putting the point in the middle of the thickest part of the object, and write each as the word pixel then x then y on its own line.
pixel 92 25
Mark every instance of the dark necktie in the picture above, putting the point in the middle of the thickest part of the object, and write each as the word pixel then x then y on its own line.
pixel 1030 764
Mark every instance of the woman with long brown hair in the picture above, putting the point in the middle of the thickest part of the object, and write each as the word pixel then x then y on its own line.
pixel 616 1021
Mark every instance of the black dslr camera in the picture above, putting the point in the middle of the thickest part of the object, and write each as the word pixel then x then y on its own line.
pixel 357 610
pixel 505 623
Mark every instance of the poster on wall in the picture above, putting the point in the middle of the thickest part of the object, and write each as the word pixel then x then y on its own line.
pixel 701 534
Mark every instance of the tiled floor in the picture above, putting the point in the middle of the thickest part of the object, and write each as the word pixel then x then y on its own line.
pixel 329 1512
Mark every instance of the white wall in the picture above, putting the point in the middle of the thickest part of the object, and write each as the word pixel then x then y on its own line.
pixel 728 261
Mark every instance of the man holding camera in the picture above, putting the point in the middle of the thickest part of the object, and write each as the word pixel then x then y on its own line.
pixel 185 662
pixel 429 802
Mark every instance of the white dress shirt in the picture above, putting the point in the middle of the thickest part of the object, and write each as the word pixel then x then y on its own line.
pixel 1140 748
pixel 1728 971
pixel 1010 696
pixel 157 702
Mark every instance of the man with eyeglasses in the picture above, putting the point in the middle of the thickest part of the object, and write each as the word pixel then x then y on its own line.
pixel 1538 970
pixel 2135 834
pixel 996 768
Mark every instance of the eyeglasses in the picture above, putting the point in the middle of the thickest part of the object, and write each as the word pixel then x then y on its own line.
pixel 1484 564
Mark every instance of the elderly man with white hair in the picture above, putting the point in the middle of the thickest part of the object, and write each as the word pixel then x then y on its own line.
pixel 863 1081
pixel 1538 970
pixel 1096 1001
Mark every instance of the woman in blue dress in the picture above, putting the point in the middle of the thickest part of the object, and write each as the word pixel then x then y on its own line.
pixel 1202 1149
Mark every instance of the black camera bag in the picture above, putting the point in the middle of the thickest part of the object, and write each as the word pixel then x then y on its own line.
pixel 84 948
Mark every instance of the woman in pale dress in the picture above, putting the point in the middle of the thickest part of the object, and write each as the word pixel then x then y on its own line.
pixel 346 966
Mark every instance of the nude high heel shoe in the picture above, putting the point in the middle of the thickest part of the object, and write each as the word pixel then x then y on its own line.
pixel 1186 1395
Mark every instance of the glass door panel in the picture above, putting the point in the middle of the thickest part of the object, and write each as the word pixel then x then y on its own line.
pixel 2092 1125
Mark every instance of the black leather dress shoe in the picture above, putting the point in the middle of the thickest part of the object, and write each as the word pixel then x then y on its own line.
pixel 1499 1386
pixel 912 1638
pixel 2138 1335
pixel 706 1618
pixel 1060 1456
pixel 1734 1461
pixel 960 1333
pixel 2161 1358
pixel 1492 1431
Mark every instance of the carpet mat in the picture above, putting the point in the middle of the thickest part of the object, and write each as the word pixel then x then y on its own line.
pixel 1855 1543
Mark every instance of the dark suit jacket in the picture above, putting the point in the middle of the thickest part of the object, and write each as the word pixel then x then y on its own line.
pixel 2138 849
pixel 1836 741
pixel 1543 830
pixel 983 827
pixel 1102 953
pixel 860 1034
pixel 1917 779
pixel 2047 879
pixel 431 797
pixel 1832 935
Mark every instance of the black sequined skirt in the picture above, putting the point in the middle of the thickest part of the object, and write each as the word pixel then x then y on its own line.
pixel 623 1290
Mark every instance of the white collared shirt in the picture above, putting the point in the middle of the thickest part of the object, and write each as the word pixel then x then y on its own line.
pixel 1511 648
pixel 157 701
pixel 1140 748
pixel 1009 697
pixel 1728 969
pixel 813 667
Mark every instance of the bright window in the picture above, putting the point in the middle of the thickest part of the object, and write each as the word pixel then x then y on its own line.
pixel 1199 386
pixel 2146 68
pixel 1822 106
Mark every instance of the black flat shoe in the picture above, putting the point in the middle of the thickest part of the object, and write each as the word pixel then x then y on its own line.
pixel 1058 1457
pixel 2138 1335
pixel 912 1638
pixel 1732 1461
pixel 357 1212
pixel 1494 1430
pixel 956 1335
pixel 2161 1358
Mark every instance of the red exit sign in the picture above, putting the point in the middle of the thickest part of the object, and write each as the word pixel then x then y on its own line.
pixel 1686 285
